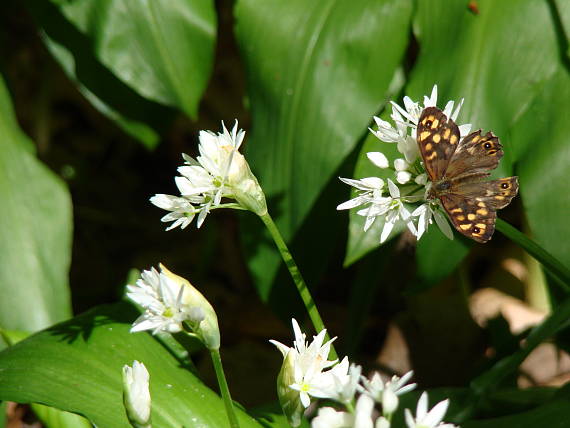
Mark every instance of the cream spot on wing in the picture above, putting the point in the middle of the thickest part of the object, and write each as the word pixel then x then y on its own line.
pixel 465 226
pixel 424 135
pixel 453 139
pixel 436 138
pixel 471 216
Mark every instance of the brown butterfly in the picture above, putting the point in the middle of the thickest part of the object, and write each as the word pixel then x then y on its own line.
pixel 456 168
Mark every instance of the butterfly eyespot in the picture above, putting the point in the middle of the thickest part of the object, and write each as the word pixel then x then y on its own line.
pixel 505 185
pixel 429 123
pixel 476 230
pixel 488 145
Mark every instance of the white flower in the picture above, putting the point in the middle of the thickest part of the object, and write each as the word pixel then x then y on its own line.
pixel 392 209
pixel 136 394
pixel 307 361
pixel 332 418
pixel 370 188
pixel 425 419
pixel 220 171
pixel 169 301
pixel 387 393
pixel 361 418
pixel 339 383
pixel 181 213
pixel 425 213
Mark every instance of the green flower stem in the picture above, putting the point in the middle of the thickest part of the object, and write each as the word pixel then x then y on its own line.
pixel 560 273
pixel 223 384
pixel 297 278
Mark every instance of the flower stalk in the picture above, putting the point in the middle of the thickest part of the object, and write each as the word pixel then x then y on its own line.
pixel 297 278
pixel 224 390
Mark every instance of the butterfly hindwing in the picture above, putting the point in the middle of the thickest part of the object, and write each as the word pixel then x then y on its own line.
pixel 475 154
pixel 438 138
pixel 470 217
pixel 472 206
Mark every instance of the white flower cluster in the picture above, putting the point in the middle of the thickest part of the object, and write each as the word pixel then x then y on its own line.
pixel 308 374
pixel 410 184
pixel 170 302
pixel 219 172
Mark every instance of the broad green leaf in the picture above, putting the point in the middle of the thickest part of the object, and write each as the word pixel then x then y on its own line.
pixel 563 20
pixel 139 130
pixel 55 418
pixel 544 155
pixel 162 49
pixel 136 115
pixel 316 75
pixel 497 62
pixel 35 232
pixel 76 366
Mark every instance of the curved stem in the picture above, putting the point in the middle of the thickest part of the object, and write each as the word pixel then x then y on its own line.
pixel 297 279
pixel 560 273
pixel 223 384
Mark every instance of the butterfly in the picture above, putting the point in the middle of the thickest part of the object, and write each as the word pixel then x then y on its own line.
pixel 457 168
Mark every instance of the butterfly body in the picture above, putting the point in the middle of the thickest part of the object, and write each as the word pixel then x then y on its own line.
pixel 457 169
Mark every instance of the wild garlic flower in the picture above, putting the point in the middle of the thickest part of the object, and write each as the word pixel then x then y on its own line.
pixel 386 393
pixel 425 419
pixel 410 184
pixel 339 383
pixel 220 171
pixel 169 303
pixel 306 362
pixel 136 394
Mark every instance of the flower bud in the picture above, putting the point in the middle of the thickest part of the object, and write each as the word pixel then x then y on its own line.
pixel 136 394
pixel 289 398
pixel 245 187
pixel 389 401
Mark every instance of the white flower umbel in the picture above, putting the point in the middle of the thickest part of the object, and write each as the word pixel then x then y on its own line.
pixel 386 393
pixel 307 361
pixel 136 394
pixel 410 182
pixel 425 419
pixel 220 171
pixel 169 302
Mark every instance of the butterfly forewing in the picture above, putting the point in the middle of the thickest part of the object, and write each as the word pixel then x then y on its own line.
pixel 437 139
pixel 476 153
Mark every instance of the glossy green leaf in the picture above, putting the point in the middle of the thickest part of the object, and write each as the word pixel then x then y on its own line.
pixel 316 75
pixel 563 20
pixel 162 49
pixel 55 418
pixel 497 62
pixel 35 232
pixel 76 366
pixel 139 130
pixel 544 155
